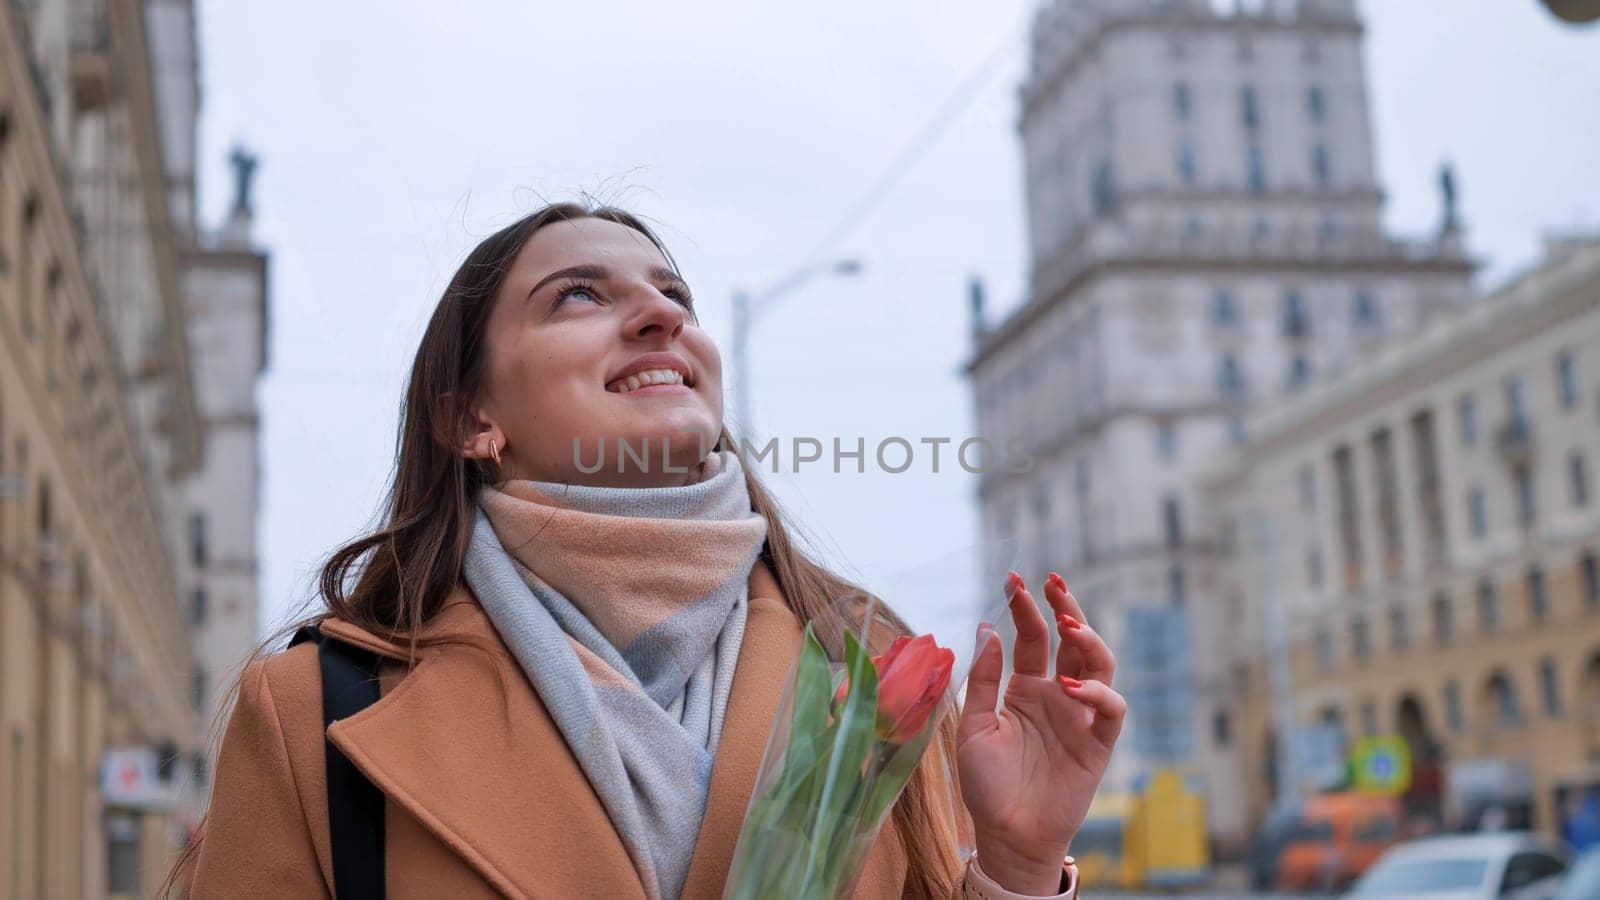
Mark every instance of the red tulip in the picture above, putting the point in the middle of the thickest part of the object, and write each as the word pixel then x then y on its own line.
pixel 912 679
pixel 913 675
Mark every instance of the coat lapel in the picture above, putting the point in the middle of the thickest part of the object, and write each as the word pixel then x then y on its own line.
pixel 465 746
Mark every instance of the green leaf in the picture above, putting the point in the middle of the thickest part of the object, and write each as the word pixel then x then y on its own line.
pixel 813 687
pixel 897 769
pixel 856 731
pixel 809 732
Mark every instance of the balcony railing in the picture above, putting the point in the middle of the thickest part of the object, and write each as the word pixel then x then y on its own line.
pixel 1101 243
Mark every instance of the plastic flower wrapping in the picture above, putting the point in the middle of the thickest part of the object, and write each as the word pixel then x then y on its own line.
pixel 852 726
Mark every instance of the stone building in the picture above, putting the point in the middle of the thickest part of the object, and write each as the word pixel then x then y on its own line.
pixel 1205 235
pixel 1420 538
pixel 224 285
pixel 110 428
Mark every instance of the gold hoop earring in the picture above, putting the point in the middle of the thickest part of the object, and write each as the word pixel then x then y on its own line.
pixel 494 452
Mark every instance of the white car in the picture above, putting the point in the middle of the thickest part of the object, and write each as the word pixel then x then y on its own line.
pixel 1506 865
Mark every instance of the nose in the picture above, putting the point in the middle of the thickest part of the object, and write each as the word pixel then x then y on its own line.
pixel 654 312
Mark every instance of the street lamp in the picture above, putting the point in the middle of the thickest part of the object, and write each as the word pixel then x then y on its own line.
pixel 747 307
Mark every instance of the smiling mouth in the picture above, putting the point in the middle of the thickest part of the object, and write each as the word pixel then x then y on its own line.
pixel 647 378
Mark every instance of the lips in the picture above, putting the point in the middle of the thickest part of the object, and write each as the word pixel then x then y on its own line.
pixel 651 369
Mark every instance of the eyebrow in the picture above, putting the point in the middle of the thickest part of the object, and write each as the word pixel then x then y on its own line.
pixel 600 273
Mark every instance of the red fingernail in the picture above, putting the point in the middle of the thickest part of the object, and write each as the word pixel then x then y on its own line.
pixel 1069 622
pixel 1070 683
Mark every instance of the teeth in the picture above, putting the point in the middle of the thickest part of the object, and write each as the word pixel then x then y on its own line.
pixel 647 378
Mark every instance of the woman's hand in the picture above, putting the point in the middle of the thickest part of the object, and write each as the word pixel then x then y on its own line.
pixel 1029 770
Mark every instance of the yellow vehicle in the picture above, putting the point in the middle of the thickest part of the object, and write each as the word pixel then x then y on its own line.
pixel 1156 839
pixel 1098 846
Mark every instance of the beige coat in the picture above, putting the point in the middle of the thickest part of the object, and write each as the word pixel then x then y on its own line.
pixel 483 798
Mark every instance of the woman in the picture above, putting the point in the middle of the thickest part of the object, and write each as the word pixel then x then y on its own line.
pixel 576 704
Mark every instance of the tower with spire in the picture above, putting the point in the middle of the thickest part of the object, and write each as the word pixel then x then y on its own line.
pixel 1205 234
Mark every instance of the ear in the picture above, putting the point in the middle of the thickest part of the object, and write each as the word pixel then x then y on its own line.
pixel 480 429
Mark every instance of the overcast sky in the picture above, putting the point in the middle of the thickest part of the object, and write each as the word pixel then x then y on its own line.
pixel 395 135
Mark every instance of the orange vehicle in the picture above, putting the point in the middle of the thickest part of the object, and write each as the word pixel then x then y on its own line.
pixel 1335 838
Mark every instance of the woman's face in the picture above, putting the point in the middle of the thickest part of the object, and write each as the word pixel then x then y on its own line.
pixel 593 338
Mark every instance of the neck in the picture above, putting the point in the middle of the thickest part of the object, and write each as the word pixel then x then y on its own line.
pixel 631 477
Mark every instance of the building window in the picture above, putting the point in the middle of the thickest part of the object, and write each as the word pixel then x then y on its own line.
pixel 1388 498
pixel 1538 595
pixel 1577 480
pixel 1527 506
pixel 1221 729
pixel 1369 717
pixel 197 689
pixel 1550 687
pixel 1364 310
pixel 1175 590
pixel 1478 511
pixel 1299 370
pixel 1349 514
pixel 1236 433
pixel 1223 312
pixel 1429 495
pixel 1399 629
pixel 1314 566
pixel 1308 488
pixel 1360 641
pixel 1516 399
pixel 1324 649
pixel 1295 322
pixel 1184 159
pixel 1167 441
pixel 1467 416
pixel 1321 169
pixel 1249 109
pixel 1171 520
pixel 1181 101
pixel 1255 169
pixel 1314 104
pixel 1503 701
pixel 1103 190
pixel 1229 379
pixel 1453 714
pixel 198 606
pixel 1567 379
pixel 1589 566
pixel 197 539
pixel 1488 606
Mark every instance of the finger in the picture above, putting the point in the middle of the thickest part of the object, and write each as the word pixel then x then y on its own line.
pixel 1110 709
pixel 1069 659
pixel 1031 655
pixel 1061 599
pixel 1095 660
pixel 983 683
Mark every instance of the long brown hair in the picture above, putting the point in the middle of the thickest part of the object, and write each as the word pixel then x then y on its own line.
pixel 394 579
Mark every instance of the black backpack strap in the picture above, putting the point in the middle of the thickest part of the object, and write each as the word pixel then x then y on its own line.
pixel 355 805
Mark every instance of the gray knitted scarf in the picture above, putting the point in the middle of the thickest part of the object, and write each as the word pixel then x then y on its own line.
pixel 626 608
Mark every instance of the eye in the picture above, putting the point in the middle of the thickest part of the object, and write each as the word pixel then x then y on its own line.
pixel 582 290
pixel 679 294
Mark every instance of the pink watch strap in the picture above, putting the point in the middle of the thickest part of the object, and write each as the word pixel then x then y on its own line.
pixel 979 886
